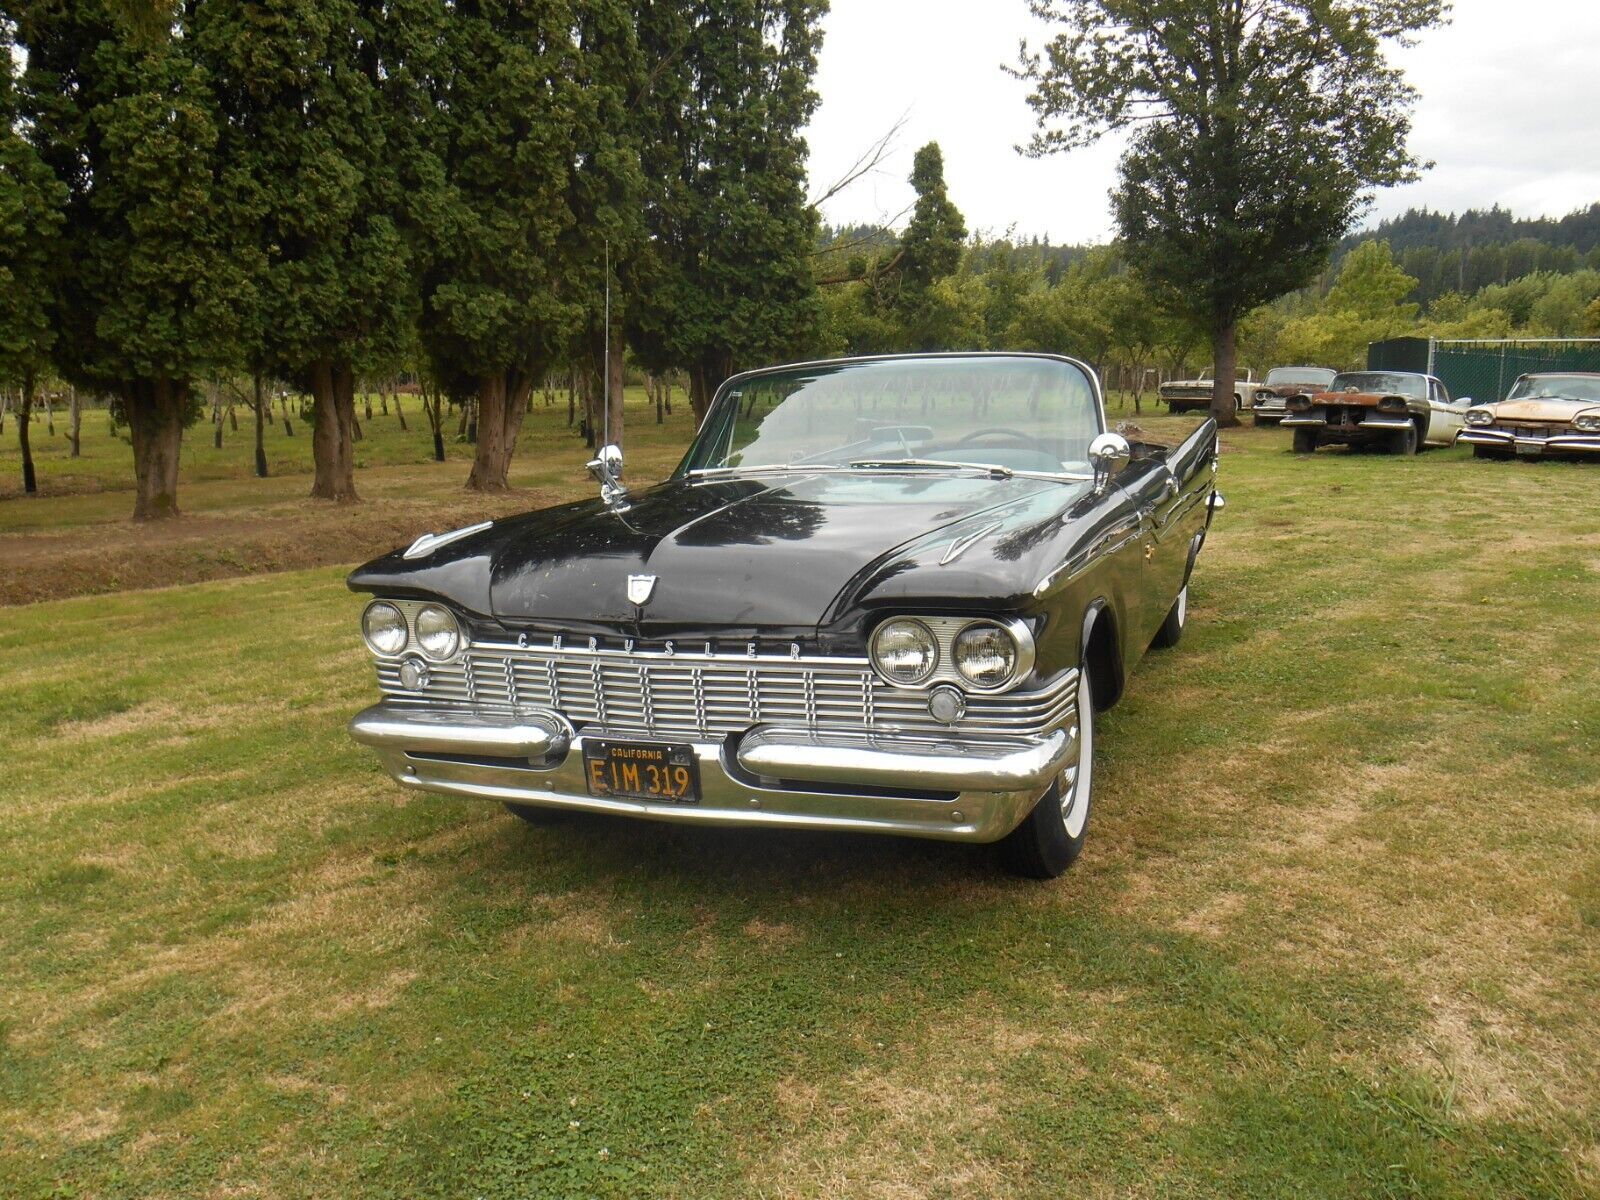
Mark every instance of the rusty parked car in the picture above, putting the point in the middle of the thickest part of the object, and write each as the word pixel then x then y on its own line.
pixel 1547 414
pixel 1396 411
pixel 1194 395
pixel 1272 399
pixel 880 595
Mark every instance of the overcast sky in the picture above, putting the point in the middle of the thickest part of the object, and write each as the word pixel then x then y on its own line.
pixel 1510 114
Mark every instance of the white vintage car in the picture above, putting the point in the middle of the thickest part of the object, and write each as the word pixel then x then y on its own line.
pixel 1542 415
pixel 1194 395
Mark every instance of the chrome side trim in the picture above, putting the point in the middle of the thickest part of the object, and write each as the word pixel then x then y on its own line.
pixel 426 731
pixel 1396 423
pixel 919 766
pixel 429 542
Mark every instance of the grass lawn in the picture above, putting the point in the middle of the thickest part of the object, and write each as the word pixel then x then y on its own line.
pixel 1337 932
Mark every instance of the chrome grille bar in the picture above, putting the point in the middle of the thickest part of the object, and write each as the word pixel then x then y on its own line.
pixel 706 698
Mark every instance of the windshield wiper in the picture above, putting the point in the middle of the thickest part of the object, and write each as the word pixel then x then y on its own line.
pixel 876 464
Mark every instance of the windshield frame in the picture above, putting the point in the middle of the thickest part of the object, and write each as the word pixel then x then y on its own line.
pixel 1534 377
pixel 1322 384
pixel 735 382
pixel 1424 381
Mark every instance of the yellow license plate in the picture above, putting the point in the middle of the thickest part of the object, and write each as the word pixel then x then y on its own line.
pixel 663 772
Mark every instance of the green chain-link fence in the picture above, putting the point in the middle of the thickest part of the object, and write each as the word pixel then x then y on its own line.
pixel 1484 370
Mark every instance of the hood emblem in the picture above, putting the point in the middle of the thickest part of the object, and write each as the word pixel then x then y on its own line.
pixel 640 588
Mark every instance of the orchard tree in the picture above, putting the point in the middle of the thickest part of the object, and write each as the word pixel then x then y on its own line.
pixel 31 199
pixel 1225 102
pixel 299 84
pixel 532 152
pixel 152 276
pixel 727 277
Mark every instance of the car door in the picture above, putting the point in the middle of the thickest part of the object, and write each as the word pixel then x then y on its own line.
pixel 1169 490
pixel 1446 417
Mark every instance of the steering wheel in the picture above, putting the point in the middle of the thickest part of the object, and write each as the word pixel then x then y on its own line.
pixel 1021 439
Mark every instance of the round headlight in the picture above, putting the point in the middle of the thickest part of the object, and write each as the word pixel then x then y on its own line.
pixel 1588 422
pixel 904 651
pixel 384 627
pixel 986 655
pixel 437 632
pixel 1479 416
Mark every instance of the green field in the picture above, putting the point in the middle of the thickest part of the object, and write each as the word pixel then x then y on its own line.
pixel 1337 931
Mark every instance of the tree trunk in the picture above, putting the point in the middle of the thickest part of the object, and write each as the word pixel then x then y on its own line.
pixel 572 398
pixel 5 404
pixel 49 414
pixel 705 377
pixel 288 429
pixel 399 412
pixel 30 483
pixel 436 419
pixel 333 432
pixel 155 409
pixel 666 392
pixel 261 430
pixel 502 401
pixel 76 437
pixel 1225 361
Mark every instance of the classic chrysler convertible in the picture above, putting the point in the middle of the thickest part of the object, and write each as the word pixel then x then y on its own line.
pixel 1397 411
pixel 883 595
pixel 1542 415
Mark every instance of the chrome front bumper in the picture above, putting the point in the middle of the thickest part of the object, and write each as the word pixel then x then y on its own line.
pixel 1505 439
pixel 956 790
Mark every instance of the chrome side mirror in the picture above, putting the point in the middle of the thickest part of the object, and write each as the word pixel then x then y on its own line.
pixel 1109 453
pixel 606 467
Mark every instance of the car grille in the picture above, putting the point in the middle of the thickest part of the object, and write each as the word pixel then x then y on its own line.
pixel 702 697
pixel 1534 428
pixel 1186 393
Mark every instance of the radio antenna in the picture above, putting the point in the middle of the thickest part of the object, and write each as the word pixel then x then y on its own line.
pixel 605 431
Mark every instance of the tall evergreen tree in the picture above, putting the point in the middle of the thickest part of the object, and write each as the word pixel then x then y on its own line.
pixel 1226 101
pixel 152 275
pixel 307 131
pixel 930 254
pixel 31 199
pixel 532 158
pixel 728 276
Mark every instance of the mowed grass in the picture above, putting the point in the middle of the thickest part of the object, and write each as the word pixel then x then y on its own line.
pixel 1336 933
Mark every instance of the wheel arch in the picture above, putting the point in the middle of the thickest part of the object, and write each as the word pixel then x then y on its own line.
pixel 1102 654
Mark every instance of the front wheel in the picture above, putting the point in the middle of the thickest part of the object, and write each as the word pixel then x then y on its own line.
pixel 1172 628
pixel 1405 441
pixel 1305 441
pixel 1051 837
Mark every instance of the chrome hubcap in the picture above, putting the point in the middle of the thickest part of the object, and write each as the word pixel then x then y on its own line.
pixel 1075 779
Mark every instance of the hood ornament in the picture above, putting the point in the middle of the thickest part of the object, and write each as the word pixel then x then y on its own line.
pixel 640 589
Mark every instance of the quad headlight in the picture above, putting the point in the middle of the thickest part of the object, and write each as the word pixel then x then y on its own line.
pixel 905 651
pixel 1587 422
pixel 438 633
pixel 985 655
pixel 384 627
pixel 1480 416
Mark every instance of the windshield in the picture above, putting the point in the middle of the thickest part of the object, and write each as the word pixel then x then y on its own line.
pixel 1568 387
pixel 1304 376
pixel 1018 414
pixel 1388 383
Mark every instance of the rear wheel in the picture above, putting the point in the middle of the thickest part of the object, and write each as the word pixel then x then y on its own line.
pixel 1172 628
pixel 1305 441
pixel 1051 837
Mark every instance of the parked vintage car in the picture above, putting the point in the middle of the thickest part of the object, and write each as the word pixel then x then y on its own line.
pixel 1272 397
pixel 884 594
pixel 1549 414
pixel 1194 395
pixel 1397 411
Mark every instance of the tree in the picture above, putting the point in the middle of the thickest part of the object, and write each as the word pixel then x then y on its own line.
pixel 31 199
pixel 727 277
pixel 153 278
pixel 534 156
pixel 1225 101
pixel 299 84
pixel 1372 286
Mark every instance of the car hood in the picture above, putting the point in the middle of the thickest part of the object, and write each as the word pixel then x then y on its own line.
pixel 1546 408
pixel 781 552
pixel 1355 399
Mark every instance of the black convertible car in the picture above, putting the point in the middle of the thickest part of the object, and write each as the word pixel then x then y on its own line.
pixel 883 594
